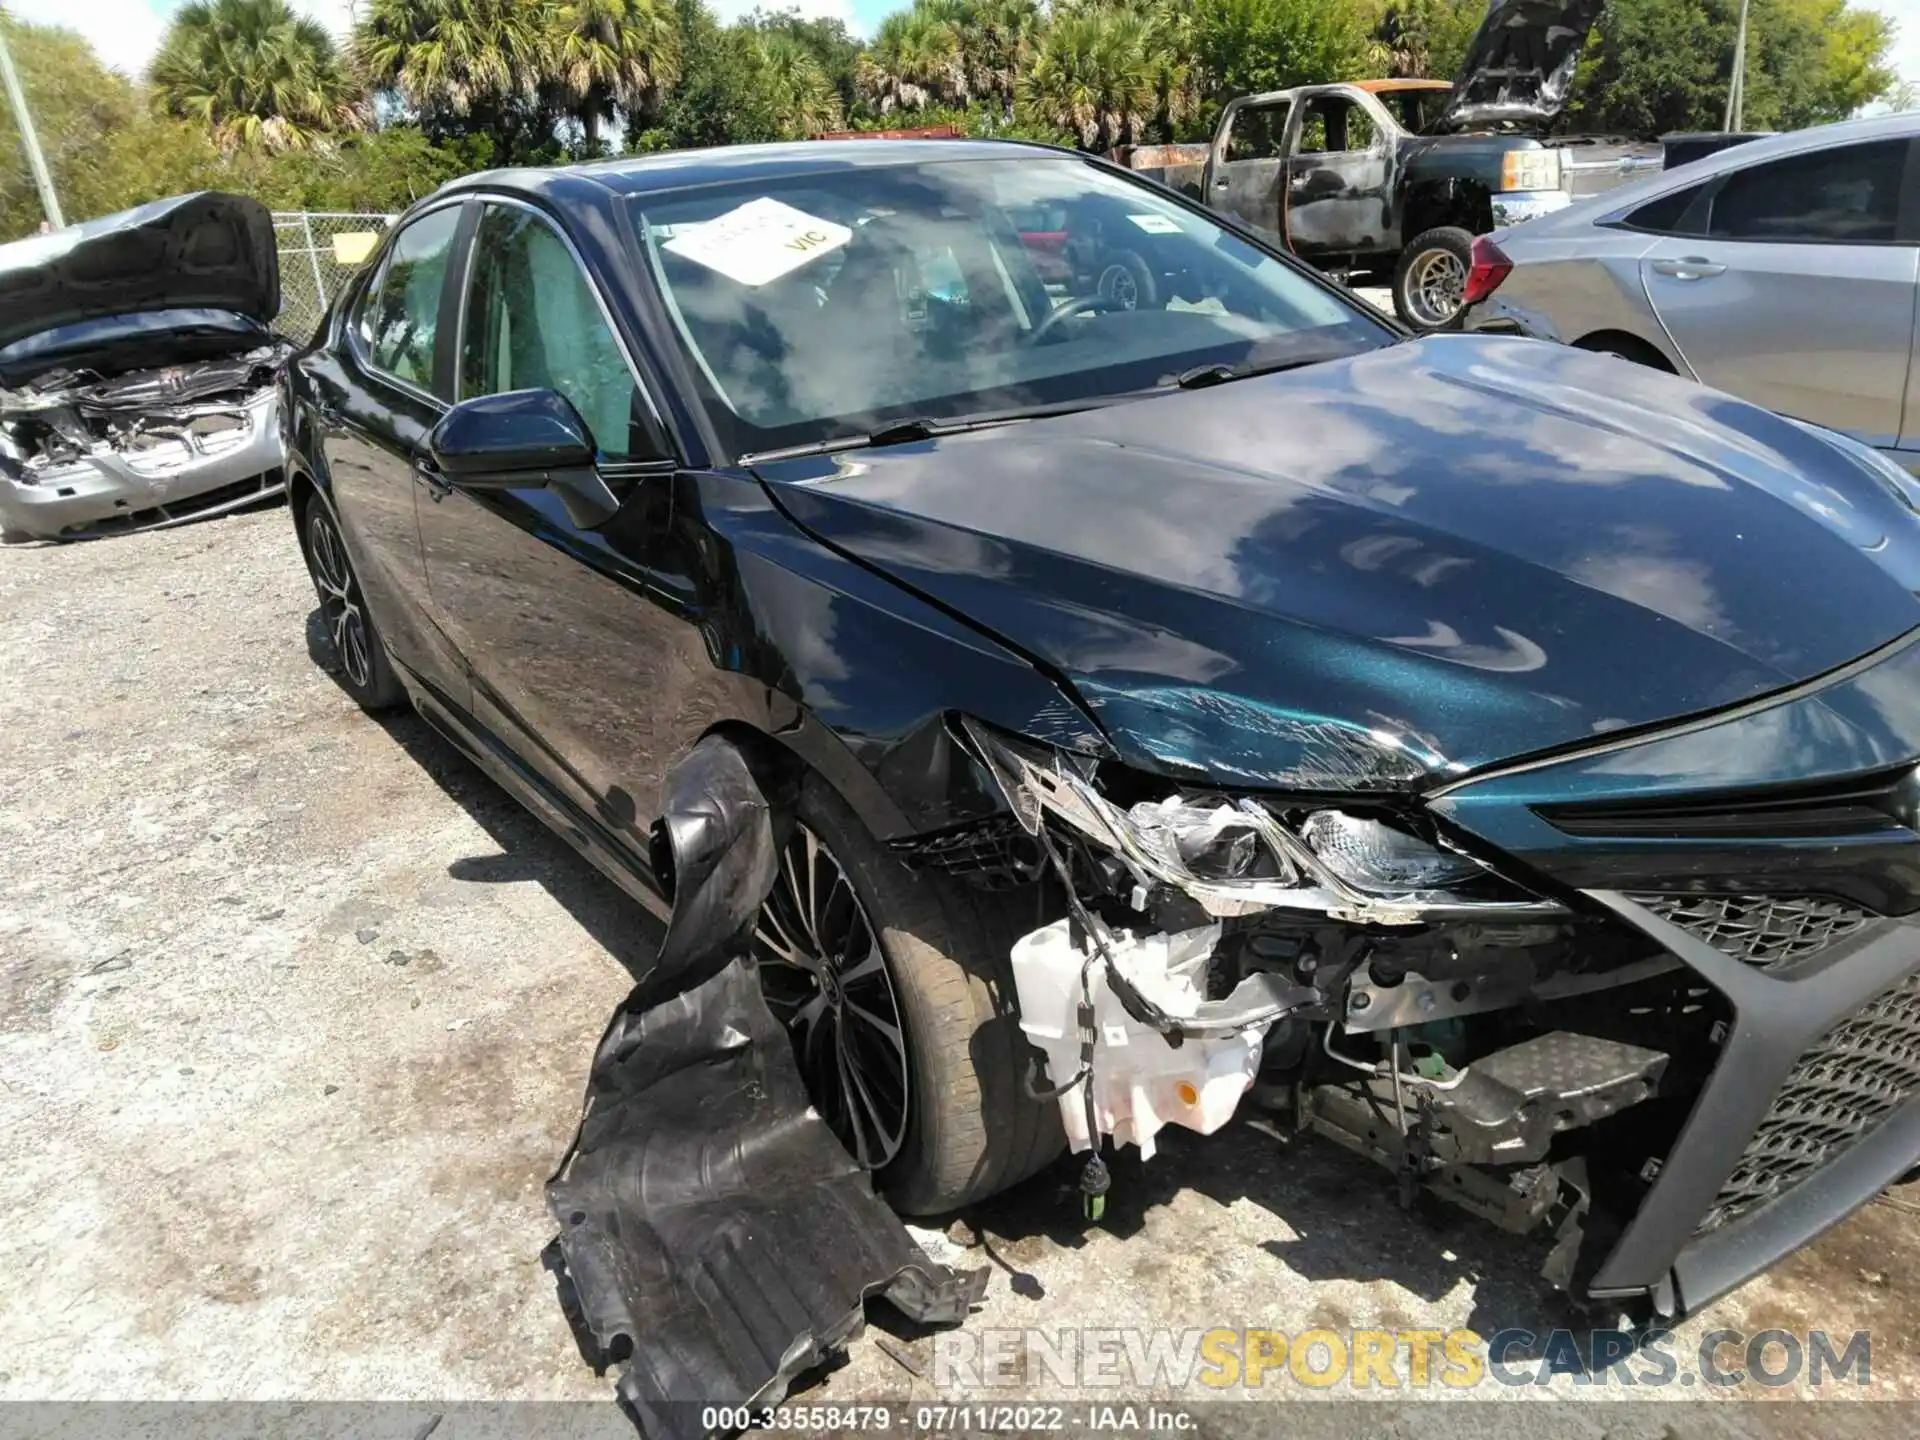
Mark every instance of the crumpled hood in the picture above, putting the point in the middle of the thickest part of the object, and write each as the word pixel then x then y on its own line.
pixel 206 250
pixel 1416 561
pixel 1520 63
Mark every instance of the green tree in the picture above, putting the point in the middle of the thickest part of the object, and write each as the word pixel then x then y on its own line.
pixel 384 171
pixel 105 147
pixel 612 54
pixel 804 101
pixel 256 75
pixel 915 61
pixel 830 43
pixel 1423 39
pixel 1660 65
pixel 721 98
pixel 996 39
pixel 1245 46
pixel 1094 75
pixel 468 66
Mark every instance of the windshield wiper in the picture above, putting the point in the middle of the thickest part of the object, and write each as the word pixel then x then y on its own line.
pixel 921 427
pixel 913 427
pixel 1201 376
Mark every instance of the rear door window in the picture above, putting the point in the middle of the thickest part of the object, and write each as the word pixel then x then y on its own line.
pixel 1258 132
pixel 1846 195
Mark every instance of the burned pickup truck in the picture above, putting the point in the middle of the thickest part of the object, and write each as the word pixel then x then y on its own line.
pixel 1397 177
pixel 138 378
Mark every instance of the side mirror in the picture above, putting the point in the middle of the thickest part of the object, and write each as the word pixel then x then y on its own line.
pixel 510 435
pixel 523 439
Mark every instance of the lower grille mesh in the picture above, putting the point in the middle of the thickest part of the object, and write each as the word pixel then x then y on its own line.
pixel 1767 931
pixel 1842 1089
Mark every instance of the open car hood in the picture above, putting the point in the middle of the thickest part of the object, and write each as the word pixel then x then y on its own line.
pixel 1417 561
pixel 1520 63
pixel 206 250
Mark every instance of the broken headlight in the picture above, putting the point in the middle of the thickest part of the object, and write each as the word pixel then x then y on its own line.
pixel 1235 856
pixel 1371 855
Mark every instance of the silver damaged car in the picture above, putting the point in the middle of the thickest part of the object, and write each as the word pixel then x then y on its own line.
pixel 138 375
pixel 1783 271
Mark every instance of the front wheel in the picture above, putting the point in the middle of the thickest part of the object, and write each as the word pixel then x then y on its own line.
pixel 364 671
pixel 896 989
pixel 1430 280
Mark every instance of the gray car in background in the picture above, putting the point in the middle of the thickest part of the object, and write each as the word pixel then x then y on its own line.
pixel 1782 271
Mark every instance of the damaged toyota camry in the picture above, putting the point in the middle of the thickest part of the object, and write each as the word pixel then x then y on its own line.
pixel 1509 754
pixel 138 378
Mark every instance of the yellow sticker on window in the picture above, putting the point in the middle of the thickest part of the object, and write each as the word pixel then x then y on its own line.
pixel 352 247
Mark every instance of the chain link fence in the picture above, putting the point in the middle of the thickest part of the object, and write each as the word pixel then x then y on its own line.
pixel 319 253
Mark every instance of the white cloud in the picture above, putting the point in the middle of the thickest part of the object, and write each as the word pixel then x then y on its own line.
pixel 124 33
pixel 1905 15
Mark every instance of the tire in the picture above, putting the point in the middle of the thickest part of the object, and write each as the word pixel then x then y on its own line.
pixel 364 671
pixel 1430 268
pixel 1123 277
pixel 969 1129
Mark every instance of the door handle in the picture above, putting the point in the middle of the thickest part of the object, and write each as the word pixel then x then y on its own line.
pixel 437 485
pixel 1689 267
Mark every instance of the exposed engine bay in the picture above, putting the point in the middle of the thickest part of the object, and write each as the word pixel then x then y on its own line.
pixel 84 453
pixel 1397 995
pixel 139 370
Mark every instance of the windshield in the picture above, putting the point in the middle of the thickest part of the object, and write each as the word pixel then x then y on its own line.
pixel 823 306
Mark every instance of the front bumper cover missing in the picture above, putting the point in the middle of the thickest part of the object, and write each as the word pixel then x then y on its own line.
pixel 716 1239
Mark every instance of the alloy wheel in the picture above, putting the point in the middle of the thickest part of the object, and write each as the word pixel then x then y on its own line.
pixel 825 979
pixel 340 602
pixel 1436 283
pixel 1118 285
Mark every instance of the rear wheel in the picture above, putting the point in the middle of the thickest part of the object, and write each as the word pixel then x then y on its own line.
pixel 896 989
pixel 364 670
pixel 1430 280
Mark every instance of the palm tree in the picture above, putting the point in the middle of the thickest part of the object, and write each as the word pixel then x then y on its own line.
pixel 915 60
pixel 995 37
pixel 1094 73
pixel 801 94
pixel 614 53
pixel 459 58
pixel 256 75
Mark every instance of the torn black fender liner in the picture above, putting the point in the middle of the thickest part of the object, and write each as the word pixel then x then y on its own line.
pixel 716 1238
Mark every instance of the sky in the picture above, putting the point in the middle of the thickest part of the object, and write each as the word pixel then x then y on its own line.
pixel 126 32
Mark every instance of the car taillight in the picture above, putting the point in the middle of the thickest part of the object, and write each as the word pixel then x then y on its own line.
pixel 1487 267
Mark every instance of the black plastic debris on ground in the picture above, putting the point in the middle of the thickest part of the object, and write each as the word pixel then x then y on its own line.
pixel 716 1239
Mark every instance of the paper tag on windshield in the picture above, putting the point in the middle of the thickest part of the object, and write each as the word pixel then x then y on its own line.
pixel 1156 224
pixel 760 241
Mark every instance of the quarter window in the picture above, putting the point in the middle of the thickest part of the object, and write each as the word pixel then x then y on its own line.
pixel 1665 215
pixel 1847 195
pixel 533 323
pixel 402 308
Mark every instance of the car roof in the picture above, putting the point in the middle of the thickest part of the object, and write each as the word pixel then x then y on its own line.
pixel 683 169
pixel 1593 208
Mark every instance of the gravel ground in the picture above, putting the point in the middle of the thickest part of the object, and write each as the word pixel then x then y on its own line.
pixel 295 1015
